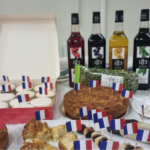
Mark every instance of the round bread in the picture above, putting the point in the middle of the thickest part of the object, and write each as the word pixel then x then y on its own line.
pixel 41 102
pixel 20 89
pixel 3 105
pixel 31 93
pixel 97 98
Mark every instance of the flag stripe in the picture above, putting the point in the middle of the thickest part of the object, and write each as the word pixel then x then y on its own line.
pixel 78 124
pixel 76 145
pixel 69 127
pixel 88 145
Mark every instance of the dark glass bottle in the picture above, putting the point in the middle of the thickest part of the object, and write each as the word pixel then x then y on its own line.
pixel 75 45
pixel 141 54
pixel 96 45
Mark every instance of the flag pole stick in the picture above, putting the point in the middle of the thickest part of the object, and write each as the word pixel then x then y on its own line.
pixel 89 123
pixel 112 91
pixel 89 89
pixel 36 123
pixel 124 139
pixel 94 127
pixel 111 134
pixel 135 143
pixel 74 91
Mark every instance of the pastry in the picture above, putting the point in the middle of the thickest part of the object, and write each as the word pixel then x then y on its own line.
pixel 4 138
pixel 83 127
pixel 31 93
pixel 58 131
pixel 66 141
pixel 12 88
pixel 23 105
pixel 37 144
pixel 6 97
pixel 41 102
pixel 50 94
pixel 88 131
pixel 128 146
pixel 94 135
pixel 100 98
pixel 20 89
pixel 3 105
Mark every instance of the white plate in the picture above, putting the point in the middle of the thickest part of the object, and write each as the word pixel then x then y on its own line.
pixel 136 105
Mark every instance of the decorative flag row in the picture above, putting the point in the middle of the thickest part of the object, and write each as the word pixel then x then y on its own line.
pixel 23 98
pixel 6 78
pixel 6 88
pixel 74 125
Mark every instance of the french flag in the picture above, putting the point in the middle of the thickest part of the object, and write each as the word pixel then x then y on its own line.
pixel 27 85
pixel 143 135
pixel 6 78
pixel 109 145
pixel 23 98
pixel 25 78
pixel 49 85
pixel 45 79
pixel 43 91
pixel 6 88
pixel 94 83
pixel 91 112
pixel 74 125
pixel 130 128
pixel 77 86
pixel 99 115
pixel 117 124
pixel 117 86
pixel 83 145
pixel 105 122
pixel 127 94
pixel 84 111
pixel 42 114
pixel 143 112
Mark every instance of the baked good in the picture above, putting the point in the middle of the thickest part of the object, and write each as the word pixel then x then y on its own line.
pixel 100 98
pixel 6 97
pixel 83 127
pixel 57 132
pixel 94 135
pixel 129 146
pixel 50 94
pixel 3 105
pixel 20 89
pixel 66 141
pixel 37 144
pixel 88 131
pixel 41 102
pixel 4 138
pixel 31 93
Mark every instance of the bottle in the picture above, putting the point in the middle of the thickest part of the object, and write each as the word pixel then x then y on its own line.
pixel 96 45
pixel 118 45
pixel 75 45
pixel 141 54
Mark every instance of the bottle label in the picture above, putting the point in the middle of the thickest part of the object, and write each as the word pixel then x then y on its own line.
pixel 142 63
pixel 76 59
pixel 97 57
pixel 118 55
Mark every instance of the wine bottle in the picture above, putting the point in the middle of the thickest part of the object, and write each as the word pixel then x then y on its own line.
pixel 141 54
pixel 118 45
pixel 96 44
pixel 75 45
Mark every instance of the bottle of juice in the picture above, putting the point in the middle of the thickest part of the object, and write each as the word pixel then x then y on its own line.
pixel 141 54
pixel 96 44
pixel 75 45
pixel 118 45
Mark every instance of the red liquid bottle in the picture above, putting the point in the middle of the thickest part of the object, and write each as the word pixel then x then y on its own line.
pixel 75 46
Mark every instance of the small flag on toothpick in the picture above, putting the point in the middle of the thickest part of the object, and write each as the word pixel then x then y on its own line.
pixel 143 113
pixel 43 91
pixel 130 128
pixel 25 78
pixel 83 145
pixel 109 145
pixel 23 98
pixel 127 94
pixel 94 83
pixel 6 78
pixel 99 115
pixel 91 112
pixel 42 114
pixel 6 88
pixel 84 111
pixel 74 125
pixel 77 86
pixel 27 85
pixel 105 122
pixel 143 135
pixel 45 79
pixel 117 87
pixel 49 85
pixel 117 124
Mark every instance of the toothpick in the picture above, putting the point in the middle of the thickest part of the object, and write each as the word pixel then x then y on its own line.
pixel 100 130
pixel 74 91
pixel 37 124
pixel 94 127
pixel 89 89
pixel 124 140
pixel 111 135
pixel 112 91
pixel 135 144
pixel 80 118
pixel 89 123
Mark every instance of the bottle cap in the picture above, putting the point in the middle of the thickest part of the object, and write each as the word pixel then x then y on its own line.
pixel 119 16
pixel 96 17
pixel 145 15
pixel 74 18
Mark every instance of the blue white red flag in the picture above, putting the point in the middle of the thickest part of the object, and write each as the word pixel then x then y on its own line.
pixel 45 79
pixel 84 111
pixel 117 86
pixel 49 85
pixel 127 94
pixel 105 122
pixel 25 78
pixel 91 112
pixel 99 115
pixel 117 124
pixel 94 83
pixel 42 114
pixel 109 145
pixel 143 135
pixel 83 145
pixel 74 125
pixel 6 88
pixel 23 98
pixel 143 112
pixel 27 85
pixel 77 86
pixel 6 78
pixel 130 128
pixel 43 91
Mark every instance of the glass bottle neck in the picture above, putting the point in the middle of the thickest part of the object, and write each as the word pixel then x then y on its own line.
pixel 144 27
pixel 118 27
pixel 96 28
pixel 75 28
